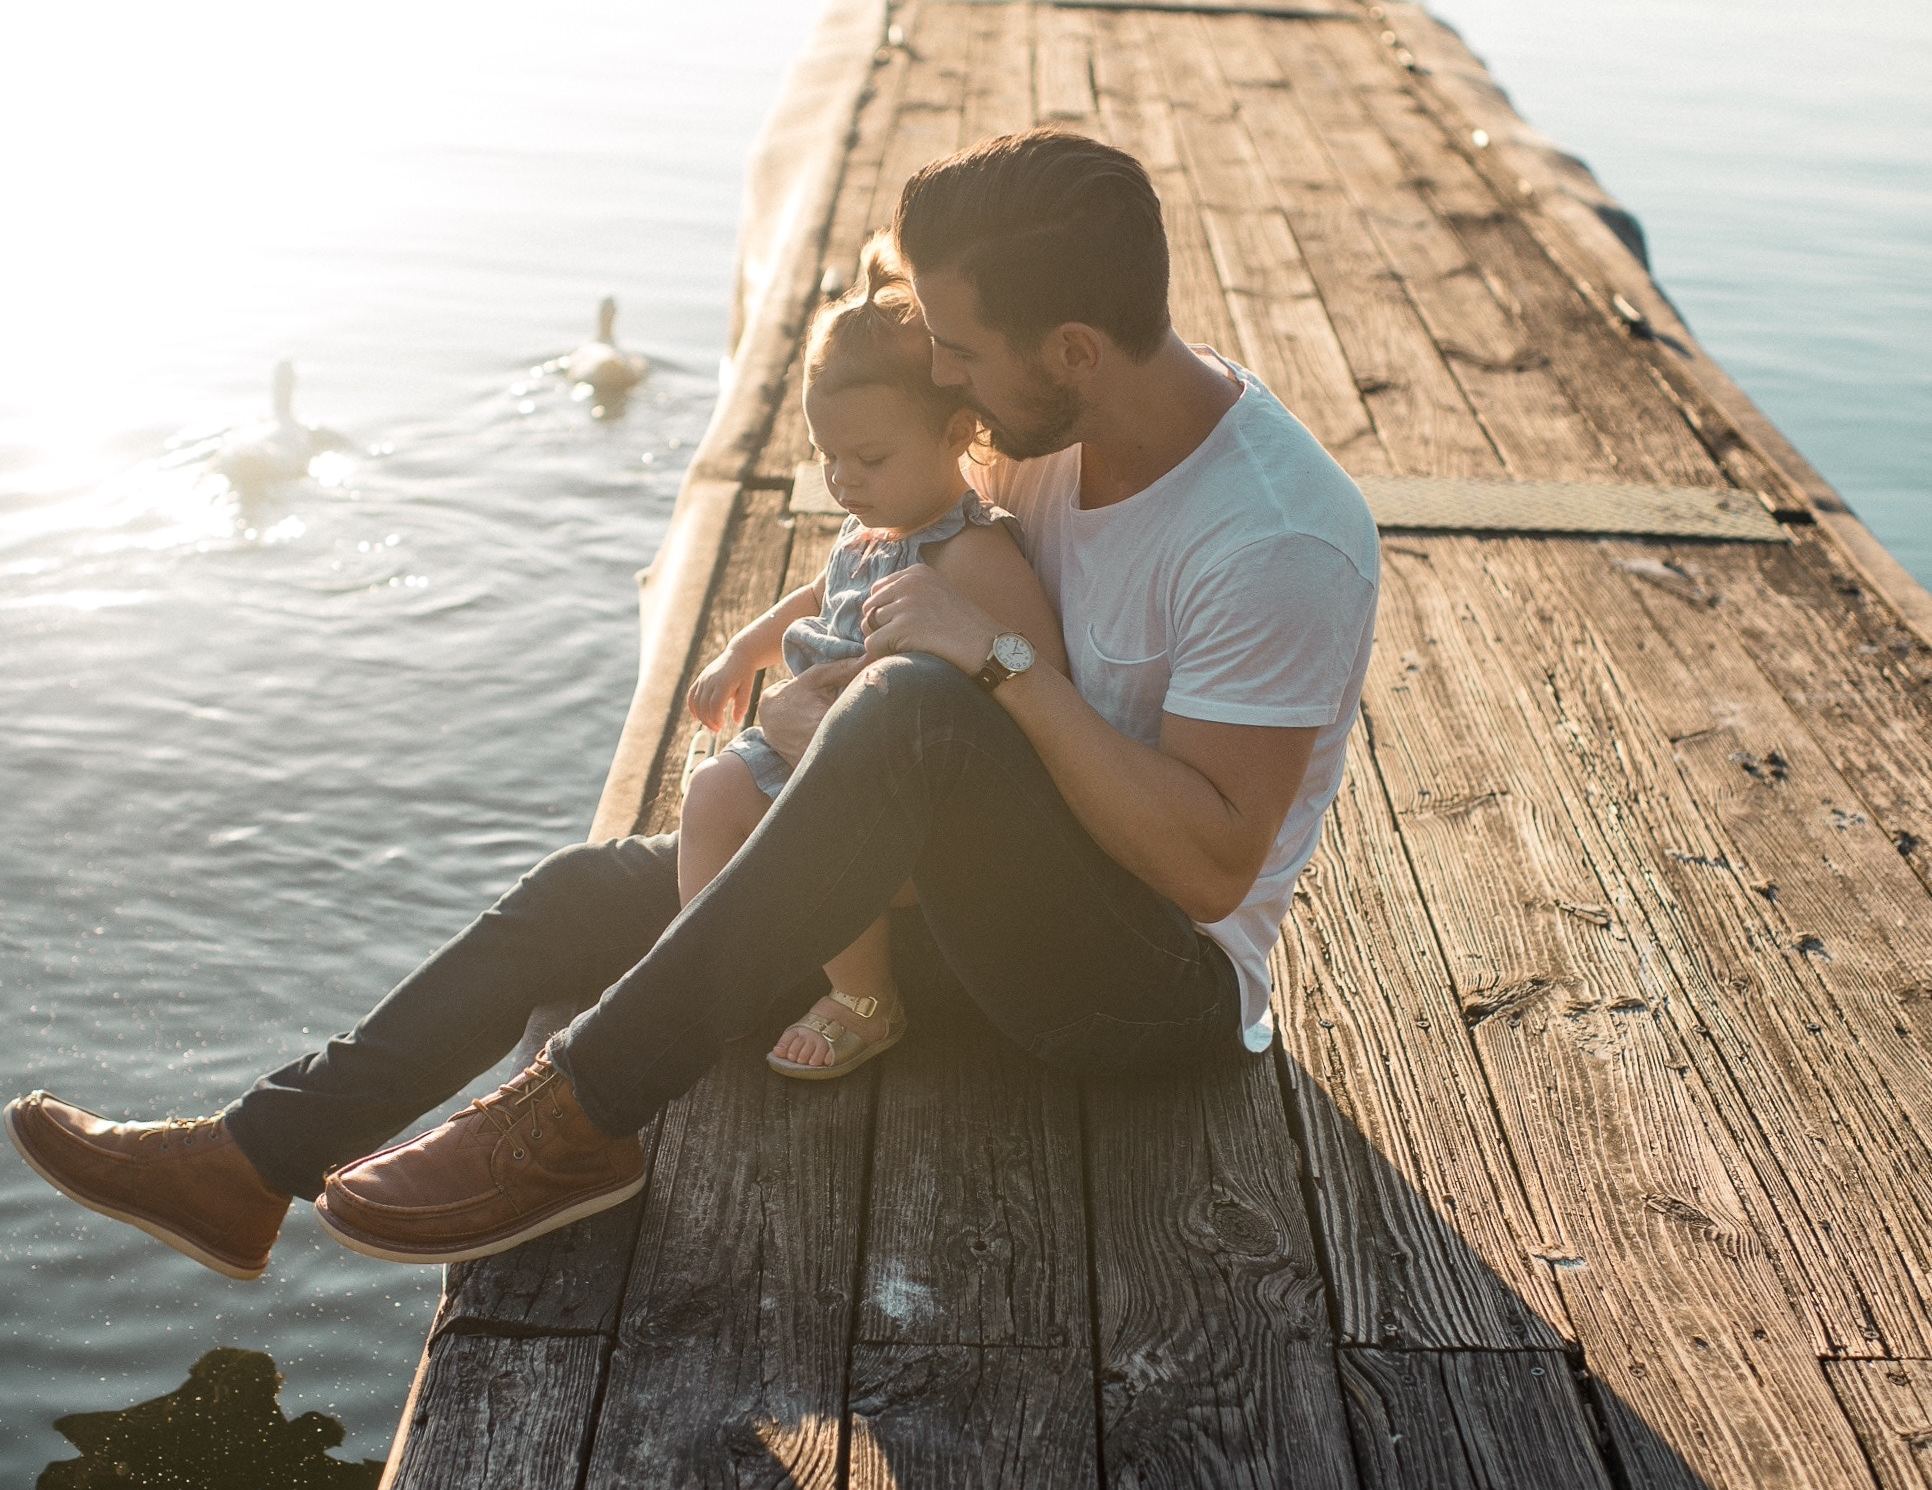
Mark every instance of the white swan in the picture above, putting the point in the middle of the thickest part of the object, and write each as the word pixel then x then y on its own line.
pixel 599 363
pixel 279 449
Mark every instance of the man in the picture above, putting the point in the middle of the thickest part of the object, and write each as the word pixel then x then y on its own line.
pixel 1102 860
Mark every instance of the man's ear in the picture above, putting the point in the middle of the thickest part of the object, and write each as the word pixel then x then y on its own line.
pixel 1074 349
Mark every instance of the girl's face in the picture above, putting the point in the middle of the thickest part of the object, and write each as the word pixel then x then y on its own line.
pixel 884 462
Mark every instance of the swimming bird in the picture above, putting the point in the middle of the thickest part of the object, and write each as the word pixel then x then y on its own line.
pixel 600 363
pixel 278 449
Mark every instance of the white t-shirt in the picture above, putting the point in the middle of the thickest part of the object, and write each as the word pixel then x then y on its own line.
pixel 1241 588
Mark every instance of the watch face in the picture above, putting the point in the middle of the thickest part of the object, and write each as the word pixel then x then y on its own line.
pixel 1013 651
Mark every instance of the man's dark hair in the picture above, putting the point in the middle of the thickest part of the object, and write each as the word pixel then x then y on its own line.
pixel 1046 226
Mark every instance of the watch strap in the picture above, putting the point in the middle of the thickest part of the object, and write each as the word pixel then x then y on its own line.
pixel 992 673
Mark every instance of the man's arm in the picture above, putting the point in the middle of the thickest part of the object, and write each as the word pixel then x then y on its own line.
pixel 1193 819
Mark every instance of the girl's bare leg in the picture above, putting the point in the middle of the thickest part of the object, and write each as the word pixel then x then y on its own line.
pixel 721 808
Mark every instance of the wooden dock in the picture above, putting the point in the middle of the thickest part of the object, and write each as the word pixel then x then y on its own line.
pixel 1595 1153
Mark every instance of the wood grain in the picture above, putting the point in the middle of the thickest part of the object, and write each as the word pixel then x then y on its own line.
pixel 1136 115
pixel 1889 1405
pixel 1430 1237
pixel 975 1234
pixel 1590 355
pixel 858 207
pixel 730 1361
pixel 750 573
pixel 1838 655
pixel 1393 364
pixel 1707 1365
pixel 1320 146
pixel 1215 1355
pixel 1456 1418
pixel 500 1413
pixel 960 1416
pixel 1748 859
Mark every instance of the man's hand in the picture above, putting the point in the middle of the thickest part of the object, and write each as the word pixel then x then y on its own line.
pixel 789 713
pixel 915 610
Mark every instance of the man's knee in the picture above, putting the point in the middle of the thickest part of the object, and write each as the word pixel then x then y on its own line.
pixel 910 688
pixel 595 877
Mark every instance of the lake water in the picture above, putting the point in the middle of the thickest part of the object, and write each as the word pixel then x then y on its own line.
pixel 260 755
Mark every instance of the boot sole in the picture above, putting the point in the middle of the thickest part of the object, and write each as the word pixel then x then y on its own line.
pixel 389 1251
pixel 156 1229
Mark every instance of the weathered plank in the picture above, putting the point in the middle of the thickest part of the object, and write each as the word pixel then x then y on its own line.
pixel 1588 233
pixel 566 1282
pixel 1316 267
pixel 1430 1238
pixel 1498 403
pixel 1889 1405
pixel 956 1416
pixel 1459 1418
pixel 502 1414
pixel 730 1362
pixel 1748 860
pixel 1318 145
pixel 975 1233
pixel 1215 1351
pixel 1063 68
pixel 701 1326
pixel 912 115
pixel 1276 11
pixel 1137 117
pixel 1608 381
pixel 1278 324
pixel 1860 680
pixel 1679 1309
pixel 932 104
pixel 999 76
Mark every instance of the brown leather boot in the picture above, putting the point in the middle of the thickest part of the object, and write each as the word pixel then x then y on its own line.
pixel 182 1181
pixel 511 1166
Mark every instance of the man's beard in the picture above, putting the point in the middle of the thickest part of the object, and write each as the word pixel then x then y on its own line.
pixel 1044 422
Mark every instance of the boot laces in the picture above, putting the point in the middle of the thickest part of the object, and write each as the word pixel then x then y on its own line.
pixel 505 1107
pixel 186 1130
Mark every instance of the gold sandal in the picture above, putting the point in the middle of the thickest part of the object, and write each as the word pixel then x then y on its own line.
pixel 850 1049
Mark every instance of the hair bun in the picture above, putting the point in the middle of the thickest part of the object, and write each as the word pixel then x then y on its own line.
pixel 882 273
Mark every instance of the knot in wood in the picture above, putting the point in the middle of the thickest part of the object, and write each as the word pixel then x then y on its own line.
pixel 1241 1228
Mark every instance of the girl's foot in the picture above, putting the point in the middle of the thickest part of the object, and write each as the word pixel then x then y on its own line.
pixel 838 1033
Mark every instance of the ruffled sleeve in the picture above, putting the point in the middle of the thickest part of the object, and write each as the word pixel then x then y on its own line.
pixel 971 508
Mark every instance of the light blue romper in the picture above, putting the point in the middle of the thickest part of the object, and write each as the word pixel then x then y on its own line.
pixel 859 559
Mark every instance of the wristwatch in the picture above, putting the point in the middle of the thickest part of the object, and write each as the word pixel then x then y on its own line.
pixel 1012 653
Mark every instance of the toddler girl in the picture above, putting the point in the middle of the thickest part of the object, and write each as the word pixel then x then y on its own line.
pixel 890 441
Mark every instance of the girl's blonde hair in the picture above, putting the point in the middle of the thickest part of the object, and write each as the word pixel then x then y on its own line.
pixel 873 333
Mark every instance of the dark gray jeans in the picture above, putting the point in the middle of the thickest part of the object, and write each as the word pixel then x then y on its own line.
pixel 917 774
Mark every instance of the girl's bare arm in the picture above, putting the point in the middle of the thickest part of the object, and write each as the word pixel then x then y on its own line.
pixel 759 644
pixel 986 566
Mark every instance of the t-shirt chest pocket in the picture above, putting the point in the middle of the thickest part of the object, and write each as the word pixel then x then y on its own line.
pixel 1122 669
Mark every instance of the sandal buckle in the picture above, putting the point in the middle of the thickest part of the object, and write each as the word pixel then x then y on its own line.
pixel 865 1007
